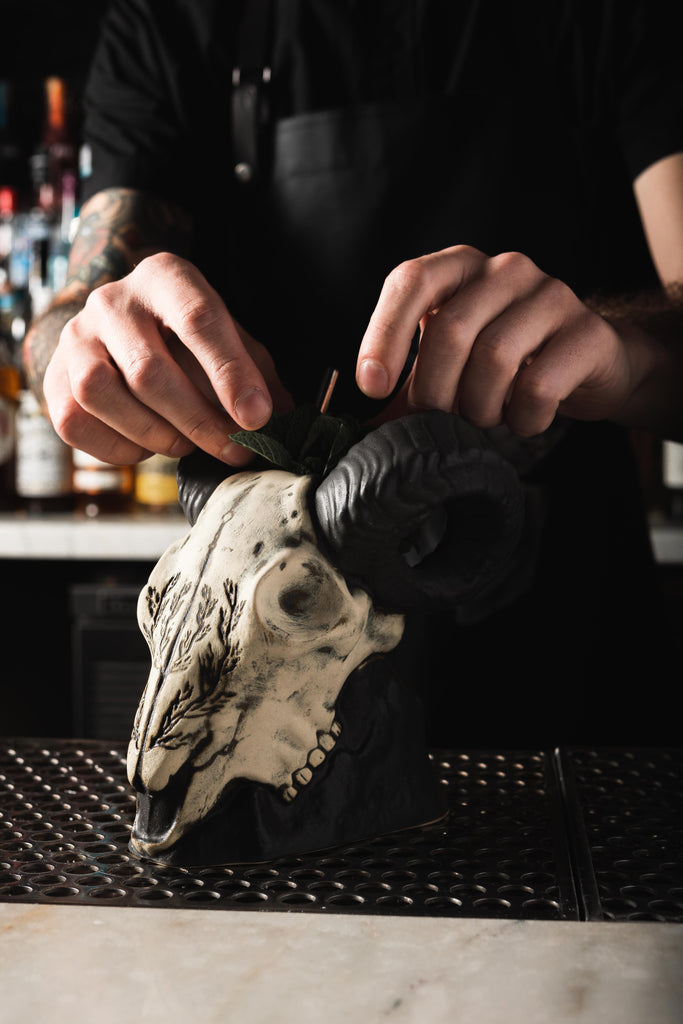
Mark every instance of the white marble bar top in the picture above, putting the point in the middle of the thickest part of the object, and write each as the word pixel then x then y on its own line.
pixel 85 965
pixel 134 536
pixel 141 536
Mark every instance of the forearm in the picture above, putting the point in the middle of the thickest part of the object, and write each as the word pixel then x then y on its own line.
pixel 656 402
pixel 651 329
pixel 42 338
pixel 117 229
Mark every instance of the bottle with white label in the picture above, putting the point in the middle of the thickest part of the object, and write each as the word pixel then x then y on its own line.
pixel 43 461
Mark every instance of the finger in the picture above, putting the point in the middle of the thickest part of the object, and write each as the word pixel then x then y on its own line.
pixel 136 386
pixel 577 372
pixel 280 396
pixel 123 430
pixel 230 452
pixel 446 342
pixel 451 333
pixel 80 430
pixel 508 344
pixel 177 293
pixel 410 291
pixel 103 380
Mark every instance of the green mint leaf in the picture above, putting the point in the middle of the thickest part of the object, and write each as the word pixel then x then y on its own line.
pixel 267 448
pixel 303 441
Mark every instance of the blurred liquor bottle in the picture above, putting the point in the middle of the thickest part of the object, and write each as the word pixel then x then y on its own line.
pixel 156 486
pixel 12 163
pixel 13 187
pixel 44 463
pixel 54 162
pixel 8 205
pixel 10 384
pixel 8 210
pixel 100 488
pixel 54 174
pixel 10 376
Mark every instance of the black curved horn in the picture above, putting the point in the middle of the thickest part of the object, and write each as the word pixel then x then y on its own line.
pixel 198 476
pixel 422 510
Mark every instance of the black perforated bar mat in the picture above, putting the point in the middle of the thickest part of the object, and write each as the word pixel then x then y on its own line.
pixel 568 835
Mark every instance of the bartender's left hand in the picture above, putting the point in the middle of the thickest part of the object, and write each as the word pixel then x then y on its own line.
pixel 500 341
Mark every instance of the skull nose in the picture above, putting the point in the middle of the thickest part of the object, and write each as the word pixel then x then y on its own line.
pixel 154 769
pixel 150 767
pixel 133 765
pixel 138 778
pixel 157 812
pixel 153 765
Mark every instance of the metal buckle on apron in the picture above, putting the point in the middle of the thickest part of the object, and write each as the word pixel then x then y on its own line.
pixel 249 115
pixel 250 81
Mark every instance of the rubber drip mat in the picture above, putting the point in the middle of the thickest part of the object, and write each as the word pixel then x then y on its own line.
pixel 514 844
pixel 625 815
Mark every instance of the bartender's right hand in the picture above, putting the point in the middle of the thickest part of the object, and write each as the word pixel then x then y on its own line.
pixel 155 363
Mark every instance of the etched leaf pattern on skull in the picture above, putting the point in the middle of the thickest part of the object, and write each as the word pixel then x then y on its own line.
pixel 163 610
pixel 174 652
pixel 194 633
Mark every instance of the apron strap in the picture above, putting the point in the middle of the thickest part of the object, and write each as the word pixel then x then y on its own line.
pixel 250 81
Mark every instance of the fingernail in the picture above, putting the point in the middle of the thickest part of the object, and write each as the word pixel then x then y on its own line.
pixel 252 409
pixel 373 379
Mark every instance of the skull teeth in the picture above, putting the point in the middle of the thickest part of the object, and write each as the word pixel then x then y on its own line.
pixel 301 777
pixel 316 757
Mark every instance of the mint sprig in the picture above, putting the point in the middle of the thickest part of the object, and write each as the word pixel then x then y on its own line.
pixel 303 441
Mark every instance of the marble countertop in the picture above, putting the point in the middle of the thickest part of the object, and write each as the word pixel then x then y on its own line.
pixel 103 966
pixel 145 536
pixel 135 536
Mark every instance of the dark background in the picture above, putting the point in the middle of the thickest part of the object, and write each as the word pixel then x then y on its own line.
pixel 41 38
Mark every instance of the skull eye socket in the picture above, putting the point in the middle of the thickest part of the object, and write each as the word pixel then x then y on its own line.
pixel 300 595
pixel 297 601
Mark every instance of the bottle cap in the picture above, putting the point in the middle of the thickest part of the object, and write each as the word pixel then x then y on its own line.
pixel 8 201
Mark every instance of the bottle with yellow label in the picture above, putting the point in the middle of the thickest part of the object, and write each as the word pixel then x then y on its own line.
pixel 156 487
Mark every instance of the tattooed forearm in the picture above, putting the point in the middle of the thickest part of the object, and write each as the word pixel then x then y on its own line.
pixel 118 228
pixel 43 341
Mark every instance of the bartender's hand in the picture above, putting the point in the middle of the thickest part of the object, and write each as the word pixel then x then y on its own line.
pixel 155 363
pixel 500 342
